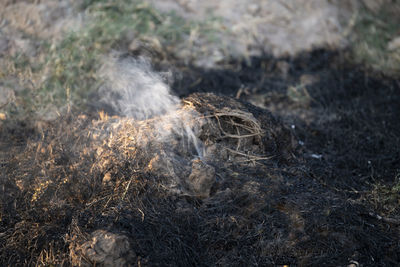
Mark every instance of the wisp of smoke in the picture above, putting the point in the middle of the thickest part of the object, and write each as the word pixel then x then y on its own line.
pixel 134 90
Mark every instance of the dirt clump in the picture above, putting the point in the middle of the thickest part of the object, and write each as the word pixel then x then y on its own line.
pixel 106 249
pixel 201 178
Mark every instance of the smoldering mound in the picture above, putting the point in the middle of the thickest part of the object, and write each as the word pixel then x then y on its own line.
pixel 167 137
pixel 159 133
pixel 228 132
pixel 135 91
pixel 110 178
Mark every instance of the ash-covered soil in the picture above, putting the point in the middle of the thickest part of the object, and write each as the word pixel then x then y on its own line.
pixel 287 182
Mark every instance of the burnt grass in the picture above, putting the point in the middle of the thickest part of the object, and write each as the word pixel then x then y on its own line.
pixel 352 117
pixel 309 205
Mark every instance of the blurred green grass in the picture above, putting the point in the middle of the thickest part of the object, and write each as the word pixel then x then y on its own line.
pixel 76 59
pixel 65 73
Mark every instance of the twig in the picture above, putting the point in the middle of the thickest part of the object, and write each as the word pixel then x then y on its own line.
pixel 238 132
pixel 126 189
pixel 251 157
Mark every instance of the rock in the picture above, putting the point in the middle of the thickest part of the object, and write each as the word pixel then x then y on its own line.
pixel 108 249
pixel 201 178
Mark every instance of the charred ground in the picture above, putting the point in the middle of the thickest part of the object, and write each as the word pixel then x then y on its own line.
pixel 342 111
pixel 328 194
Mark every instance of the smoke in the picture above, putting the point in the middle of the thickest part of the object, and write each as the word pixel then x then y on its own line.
pixel 133 89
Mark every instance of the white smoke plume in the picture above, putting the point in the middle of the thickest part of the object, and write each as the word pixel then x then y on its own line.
pixel 134 90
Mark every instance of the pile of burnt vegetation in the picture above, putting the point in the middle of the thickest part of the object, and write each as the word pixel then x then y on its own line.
pixel 218 181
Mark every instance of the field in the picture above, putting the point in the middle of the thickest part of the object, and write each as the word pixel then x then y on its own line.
pixel 126 140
